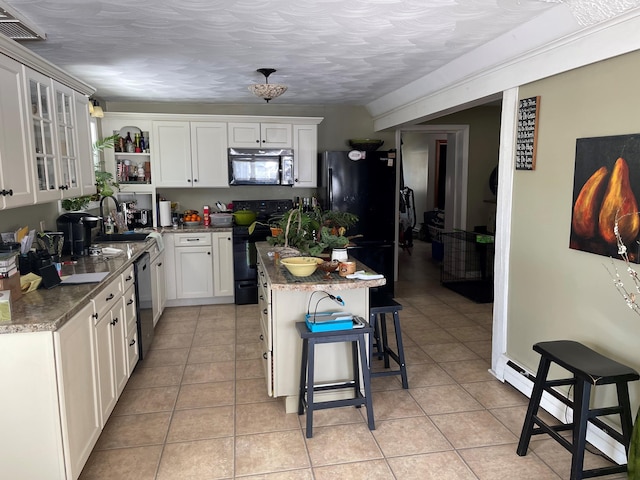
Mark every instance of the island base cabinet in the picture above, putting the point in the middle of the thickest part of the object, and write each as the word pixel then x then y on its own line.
pixel 333 361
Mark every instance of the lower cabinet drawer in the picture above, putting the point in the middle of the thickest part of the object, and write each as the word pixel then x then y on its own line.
pixel 267 359
pixel 132 350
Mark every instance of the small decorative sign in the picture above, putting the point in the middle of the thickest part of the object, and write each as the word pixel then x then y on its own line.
pixel 527 133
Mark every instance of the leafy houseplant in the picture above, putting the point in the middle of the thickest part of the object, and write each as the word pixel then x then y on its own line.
pixel 76 203
pixel 313 231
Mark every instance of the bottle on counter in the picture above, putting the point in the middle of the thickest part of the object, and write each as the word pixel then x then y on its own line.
pixel 206 215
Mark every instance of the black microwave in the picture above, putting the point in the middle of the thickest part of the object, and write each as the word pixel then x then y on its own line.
pixel 258 166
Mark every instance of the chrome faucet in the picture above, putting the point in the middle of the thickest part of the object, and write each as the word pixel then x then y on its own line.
pixel 102 231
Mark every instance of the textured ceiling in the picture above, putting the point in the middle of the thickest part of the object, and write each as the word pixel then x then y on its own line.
pixel 326 51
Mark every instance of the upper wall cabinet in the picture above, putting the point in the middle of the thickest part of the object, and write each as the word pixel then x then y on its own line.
pixel 16 185
pixel 54 138
pixel 190 154
pixel 260 135
pixel 305 156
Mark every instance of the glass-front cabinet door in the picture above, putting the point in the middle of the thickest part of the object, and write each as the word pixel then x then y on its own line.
pixel 67 135
pixel 42 128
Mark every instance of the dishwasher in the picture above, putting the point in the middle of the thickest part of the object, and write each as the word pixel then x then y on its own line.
pixel 144 303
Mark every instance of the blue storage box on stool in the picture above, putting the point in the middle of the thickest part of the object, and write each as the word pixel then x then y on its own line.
pixel 328 321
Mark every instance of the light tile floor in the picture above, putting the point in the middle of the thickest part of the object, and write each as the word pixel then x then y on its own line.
pixel 196 408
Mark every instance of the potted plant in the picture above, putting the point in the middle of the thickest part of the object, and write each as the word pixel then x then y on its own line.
pixel 76 203
pixel 105 184
pixel 314 231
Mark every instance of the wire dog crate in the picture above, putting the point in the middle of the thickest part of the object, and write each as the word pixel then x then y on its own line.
pixel 467 267
pixel 437 247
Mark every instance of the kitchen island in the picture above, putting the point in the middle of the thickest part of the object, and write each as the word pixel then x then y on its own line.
pixel 283 301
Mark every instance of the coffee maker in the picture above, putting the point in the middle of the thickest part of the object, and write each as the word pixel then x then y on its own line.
pixel 78 229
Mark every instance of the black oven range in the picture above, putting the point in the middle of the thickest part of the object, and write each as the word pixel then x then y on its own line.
pixel 245 274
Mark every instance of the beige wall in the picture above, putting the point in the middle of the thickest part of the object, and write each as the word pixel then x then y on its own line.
pixel 555 292
pixel 417 153
pixel 484 143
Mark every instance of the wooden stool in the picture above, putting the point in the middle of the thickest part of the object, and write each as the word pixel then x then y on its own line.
pixel 589 369
pixel 357 337
pixel 379 305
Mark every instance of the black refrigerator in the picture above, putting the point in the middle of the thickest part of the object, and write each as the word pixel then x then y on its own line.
pixel 366 187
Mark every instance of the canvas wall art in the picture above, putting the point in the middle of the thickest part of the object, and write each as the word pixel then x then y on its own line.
pixel 606 183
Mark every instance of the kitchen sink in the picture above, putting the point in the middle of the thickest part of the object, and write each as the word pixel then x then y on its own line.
pixel 120 237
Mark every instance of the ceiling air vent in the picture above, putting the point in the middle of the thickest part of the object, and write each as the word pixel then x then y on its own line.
pixel 16 27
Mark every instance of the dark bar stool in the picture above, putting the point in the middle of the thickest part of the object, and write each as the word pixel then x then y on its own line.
pixel 357 337
pixel 379 306
pixel 589 368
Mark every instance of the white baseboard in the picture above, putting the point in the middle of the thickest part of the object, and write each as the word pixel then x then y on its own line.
pixel 522 380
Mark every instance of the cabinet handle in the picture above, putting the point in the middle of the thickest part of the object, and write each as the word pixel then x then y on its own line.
pixel 264 355
pixel 115 320
pixel 130 302
pixel 7 192
pixel 110 297
pixel 265 311
pixel 193 239
pixel 195 180
pixel 133 342
pixel 95 316
pixel 261 297
pixel 128 278
pixel 258 141
pixel 261 337
pixel 264 284
pixel 160 264
pixel 208 253
pixel 188 180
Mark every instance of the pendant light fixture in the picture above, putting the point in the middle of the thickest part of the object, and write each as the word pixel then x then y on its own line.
pixel 267 90
pixel 95 110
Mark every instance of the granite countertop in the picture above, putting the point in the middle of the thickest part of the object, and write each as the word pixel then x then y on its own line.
pixel 47 310
pixel 281 279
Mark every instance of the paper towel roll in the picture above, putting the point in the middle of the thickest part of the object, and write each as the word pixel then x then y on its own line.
pixel 165 213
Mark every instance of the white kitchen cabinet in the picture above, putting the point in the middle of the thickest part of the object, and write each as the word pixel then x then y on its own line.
pixel 305 156
pixel 260 135
pixel 222 243
pixel 67 141
pixel 85 150
pixel 130 319
pixel 54 138
pixel 190 154
pixel 42 141
pixel 266 324
pixel 16 181
pixel 209 154
pixel 194 265
pixel 159 295
pixel 109 342
pixel 78 389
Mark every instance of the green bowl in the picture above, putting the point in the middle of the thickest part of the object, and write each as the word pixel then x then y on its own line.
pixel 244 217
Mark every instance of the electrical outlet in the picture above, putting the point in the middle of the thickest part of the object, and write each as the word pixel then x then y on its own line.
pixel 42 226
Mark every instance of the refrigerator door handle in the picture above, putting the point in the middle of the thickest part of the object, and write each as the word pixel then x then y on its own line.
pixel 330 186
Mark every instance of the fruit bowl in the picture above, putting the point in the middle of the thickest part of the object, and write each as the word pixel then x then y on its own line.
pixel 301 266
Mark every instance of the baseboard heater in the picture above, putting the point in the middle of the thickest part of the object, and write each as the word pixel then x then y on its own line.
pixel 598 436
